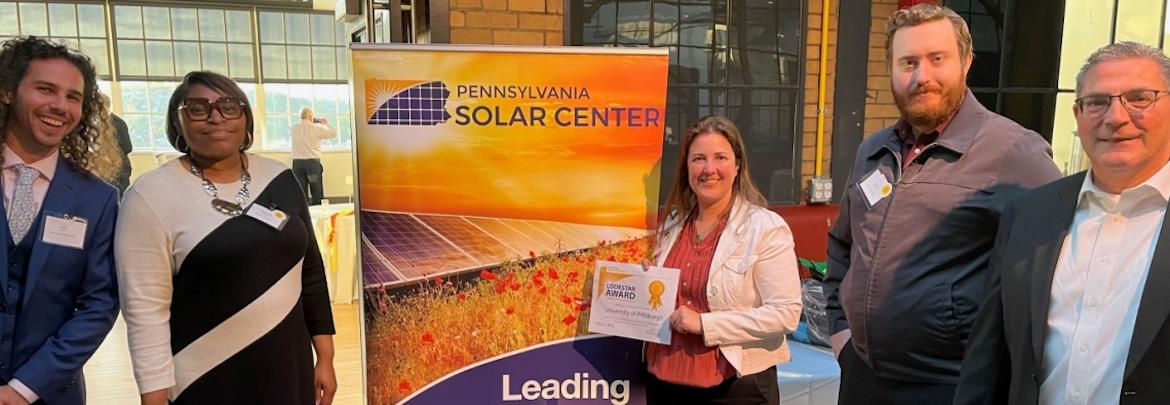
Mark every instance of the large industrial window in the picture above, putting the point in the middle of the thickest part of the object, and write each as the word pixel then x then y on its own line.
pixel 1016 60
pixel 303 47
pixel 738 58
pixel 301 57
pixel 82 26
pixel 283 103
pixel 168 42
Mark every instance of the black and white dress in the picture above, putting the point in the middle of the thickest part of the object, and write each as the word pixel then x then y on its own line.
pixel 219 309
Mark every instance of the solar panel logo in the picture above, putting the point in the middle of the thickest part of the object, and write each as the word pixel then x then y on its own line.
pixel 396 102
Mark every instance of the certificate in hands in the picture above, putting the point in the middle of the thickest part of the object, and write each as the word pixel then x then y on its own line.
pixel 633 303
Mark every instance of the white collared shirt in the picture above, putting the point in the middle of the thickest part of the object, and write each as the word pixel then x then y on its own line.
pixel 306 139
pixel 1097 288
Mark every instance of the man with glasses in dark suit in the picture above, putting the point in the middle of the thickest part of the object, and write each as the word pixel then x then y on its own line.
pixel 1077 307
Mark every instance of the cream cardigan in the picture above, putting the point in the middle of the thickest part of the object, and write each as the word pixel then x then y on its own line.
pixel 753 288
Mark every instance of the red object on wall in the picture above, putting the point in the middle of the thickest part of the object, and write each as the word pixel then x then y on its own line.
pixel 909 3
pixel 810 228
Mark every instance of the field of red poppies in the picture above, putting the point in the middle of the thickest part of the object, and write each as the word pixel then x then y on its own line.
pixel 413 339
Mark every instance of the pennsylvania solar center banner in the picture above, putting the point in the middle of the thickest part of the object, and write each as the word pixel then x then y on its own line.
pixel 490 179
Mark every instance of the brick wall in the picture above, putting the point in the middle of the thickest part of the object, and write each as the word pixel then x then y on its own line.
pixel 880 111
pixel 507 22
pixel 812 53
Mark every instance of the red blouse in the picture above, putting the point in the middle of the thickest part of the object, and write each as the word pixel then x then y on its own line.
pixel 687 361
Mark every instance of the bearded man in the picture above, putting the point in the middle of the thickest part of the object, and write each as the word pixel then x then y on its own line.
pixel 909 251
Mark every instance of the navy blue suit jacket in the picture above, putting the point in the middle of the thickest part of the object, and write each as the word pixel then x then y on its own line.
pixel 70 297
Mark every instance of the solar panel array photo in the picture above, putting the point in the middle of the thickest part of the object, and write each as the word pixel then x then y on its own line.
pixel 401 247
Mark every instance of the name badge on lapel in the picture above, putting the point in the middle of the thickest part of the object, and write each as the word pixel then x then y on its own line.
pixel 875 187
pixel 64 230
pixel 271 217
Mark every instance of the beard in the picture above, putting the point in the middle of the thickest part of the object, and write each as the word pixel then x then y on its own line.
pixel 930 114
pixel 20 118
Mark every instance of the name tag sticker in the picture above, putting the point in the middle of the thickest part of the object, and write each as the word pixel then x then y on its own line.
pixel 68 231
pixel 875 187
pixel 271 217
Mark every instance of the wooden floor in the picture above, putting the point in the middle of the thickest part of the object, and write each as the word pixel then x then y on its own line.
pixel 109 378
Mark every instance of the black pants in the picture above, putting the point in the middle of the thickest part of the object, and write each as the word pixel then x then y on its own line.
pixel 308 173
pixel 754 389
pixel 860 386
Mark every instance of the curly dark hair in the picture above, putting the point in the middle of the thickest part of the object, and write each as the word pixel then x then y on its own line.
pixel 15 56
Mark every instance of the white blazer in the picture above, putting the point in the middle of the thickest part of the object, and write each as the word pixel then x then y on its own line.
pixel 753 288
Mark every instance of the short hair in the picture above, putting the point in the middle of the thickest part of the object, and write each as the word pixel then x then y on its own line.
pixel 1125 50
pixel 924 13
pixel 306 113
pixel 214 81
pixel 682 200
pixel 79 147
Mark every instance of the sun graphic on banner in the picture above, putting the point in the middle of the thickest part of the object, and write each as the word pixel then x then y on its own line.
pixel 378 92
pixel 409 137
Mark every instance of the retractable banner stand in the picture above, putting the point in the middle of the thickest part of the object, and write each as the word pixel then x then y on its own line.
pixel 490 181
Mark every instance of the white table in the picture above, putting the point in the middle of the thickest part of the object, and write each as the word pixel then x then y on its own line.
pixel 340 271
pixel 813 377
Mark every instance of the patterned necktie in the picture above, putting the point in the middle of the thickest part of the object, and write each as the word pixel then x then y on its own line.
pixel 24 209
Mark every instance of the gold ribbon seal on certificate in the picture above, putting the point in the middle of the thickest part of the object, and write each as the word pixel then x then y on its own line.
pixel 656 290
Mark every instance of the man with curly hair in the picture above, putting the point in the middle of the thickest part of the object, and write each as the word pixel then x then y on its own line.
pixel 58 292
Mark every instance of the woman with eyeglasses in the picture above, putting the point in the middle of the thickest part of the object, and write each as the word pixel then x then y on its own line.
pixel 222 286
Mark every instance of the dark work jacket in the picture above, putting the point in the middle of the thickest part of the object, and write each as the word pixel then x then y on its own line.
pixel 907 274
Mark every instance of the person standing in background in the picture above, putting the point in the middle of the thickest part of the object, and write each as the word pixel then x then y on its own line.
pixel 119 176
pixel 306 140
pixel 124 144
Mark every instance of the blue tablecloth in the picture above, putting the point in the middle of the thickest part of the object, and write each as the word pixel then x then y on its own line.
pixel 811 378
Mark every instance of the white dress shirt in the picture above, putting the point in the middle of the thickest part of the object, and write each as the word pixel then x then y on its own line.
pixel 306 139
pixel 1096 290
pixel 47 167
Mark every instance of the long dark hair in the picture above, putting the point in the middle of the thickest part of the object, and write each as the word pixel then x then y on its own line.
pixel 80 147
pixel 682 202
pixel 214 81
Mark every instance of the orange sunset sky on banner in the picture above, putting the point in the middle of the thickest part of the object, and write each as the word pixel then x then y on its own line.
pixel 567 157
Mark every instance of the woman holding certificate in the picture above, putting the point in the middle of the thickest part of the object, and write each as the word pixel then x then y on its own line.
pixel 738 292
